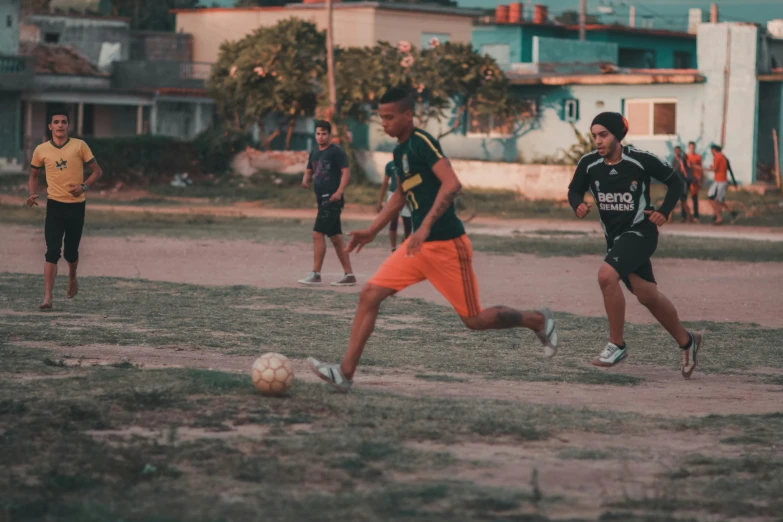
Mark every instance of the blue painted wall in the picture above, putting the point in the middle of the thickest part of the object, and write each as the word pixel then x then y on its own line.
pixel 664 46
pixel 519 38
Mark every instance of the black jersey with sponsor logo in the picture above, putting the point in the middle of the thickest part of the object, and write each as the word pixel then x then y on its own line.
pixel 622 191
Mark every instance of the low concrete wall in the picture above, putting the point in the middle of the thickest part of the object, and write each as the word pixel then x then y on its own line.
pixel 532 181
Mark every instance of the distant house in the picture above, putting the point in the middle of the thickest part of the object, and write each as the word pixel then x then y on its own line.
pixel 734 98
pixel 114 81
pixel 356 24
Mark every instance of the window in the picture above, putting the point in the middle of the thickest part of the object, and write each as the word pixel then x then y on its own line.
pixel 52 38
pixel 682 60
pixel 430 40
pixel 571 111
pixel 637 58
pixel 648 118
pixel 492 125
pixel 500 52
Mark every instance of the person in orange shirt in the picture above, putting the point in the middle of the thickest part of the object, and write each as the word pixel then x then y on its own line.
pixel 63 161
pixel 717 193
pixel 697 173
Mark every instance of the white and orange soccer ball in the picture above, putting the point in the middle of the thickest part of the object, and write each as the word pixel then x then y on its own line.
pixel 272 374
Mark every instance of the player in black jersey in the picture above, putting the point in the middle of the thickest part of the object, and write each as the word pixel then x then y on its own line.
pixel 619 179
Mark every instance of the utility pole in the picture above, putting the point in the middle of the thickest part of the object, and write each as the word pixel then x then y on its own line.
pixel 582 18
pixel 330 61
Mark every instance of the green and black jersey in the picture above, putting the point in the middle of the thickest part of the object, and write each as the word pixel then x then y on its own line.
pixel 414 160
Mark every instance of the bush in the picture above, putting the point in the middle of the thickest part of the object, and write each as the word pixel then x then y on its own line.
pixel 145 160
pixel 216 147
pixel 141 160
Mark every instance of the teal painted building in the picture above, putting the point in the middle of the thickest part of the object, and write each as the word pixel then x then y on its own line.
pixel 635 47
pixel 15 77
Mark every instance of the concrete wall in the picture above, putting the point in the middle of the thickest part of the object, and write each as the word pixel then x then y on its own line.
pixel 87 35
pixel 392 26
pixel 9 36
pixel 10 115
pixel 103 115
pixel 161 46
pixel 740 119
pixel 353 26
pixel 532 181
pixel 561 50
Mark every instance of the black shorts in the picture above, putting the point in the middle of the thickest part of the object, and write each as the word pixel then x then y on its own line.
pixel 327 221
pixel 630 253
pixel 64 221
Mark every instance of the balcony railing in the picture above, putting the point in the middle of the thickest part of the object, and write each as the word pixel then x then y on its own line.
pixel 16 72
pixel 12 64
pixel 195 70
pixel 144 74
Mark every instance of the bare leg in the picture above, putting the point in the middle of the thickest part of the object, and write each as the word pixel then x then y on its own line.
pixel 661 308
pixel 717 211
pixel 614 302
pixel 319 251
pixel 73 283
pixel 50 274
pixel 503 317
pixel 342 255
pixel 363 325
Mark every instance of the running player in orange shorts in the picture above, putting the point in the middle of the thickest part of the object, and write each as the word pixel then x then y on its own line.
pixel 438 251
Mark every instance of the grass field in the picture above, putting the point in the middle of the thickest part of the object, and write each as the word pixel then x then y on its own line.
pixel 133 402
pixel 201 226
pixel 284 191
pixel 113 439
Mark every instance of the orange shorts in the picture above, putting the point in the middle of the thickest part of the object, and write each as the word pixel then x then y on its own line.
pixel 448 265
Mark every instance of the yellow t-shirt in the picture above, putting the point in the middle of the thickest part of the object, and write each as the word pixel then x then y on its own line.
pixel 64 166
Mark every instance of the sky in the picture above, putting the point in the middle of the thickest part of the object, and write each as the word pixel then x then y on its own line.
pixel 665 13
pixel 671 14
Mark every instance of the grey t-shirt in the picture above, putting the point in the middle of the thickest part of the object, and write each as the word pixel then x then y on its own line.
pixel 327 166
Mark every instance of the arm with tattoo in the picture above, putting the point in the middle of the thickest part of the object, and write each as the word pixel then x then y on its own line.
pixel 449 188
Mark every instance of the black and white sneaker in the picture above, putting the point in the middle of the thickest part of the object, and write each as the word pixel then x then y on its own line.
pixel 330 373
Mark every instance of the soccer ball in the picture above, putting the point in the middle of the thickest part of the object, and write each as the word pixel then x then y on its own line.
pixel 272 374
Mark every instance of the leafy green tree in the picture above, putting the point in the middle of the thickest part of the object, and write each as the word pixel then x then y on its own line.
pixel 273 72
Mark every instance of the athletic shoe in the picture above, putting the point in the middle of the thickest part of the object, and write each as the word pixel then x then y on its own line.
pixel 611 355
pixel 330 373
pixel 548 336
pixel 690 356
pixel 347 280
pixel 313 278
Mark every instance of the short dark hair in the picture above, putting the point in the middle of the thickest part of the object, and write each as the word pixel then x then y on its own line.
pixel 677 147
pixel 58 111
pixel 692 143
pixel 399 96
pixel 323 124
pixel 717 147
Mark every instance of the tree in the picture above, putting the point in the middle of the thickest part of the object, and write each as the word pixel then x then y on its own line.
pixel 445 81
pixel 275 71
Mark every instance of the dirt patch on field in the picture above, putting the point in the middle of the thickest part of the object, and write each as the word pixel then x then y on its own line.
pixel 704 290
pixel 664 392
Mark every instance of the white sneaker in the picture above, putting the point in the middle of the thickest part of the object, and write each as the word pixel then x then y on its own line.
pixel 689 356
pixel 548 336
pixel 330 373
pixel 313 278
pixel 611 355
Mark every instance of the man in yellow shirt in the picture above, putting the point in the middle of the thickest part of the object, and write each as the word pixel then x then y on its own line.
pixel 63 160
